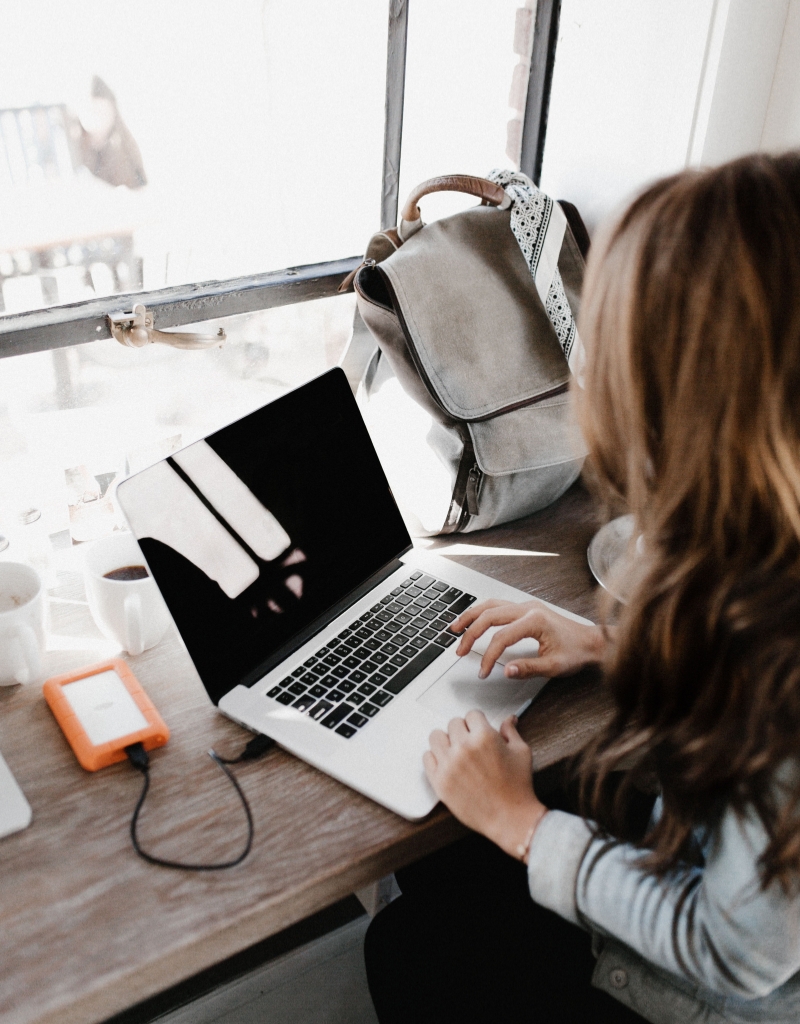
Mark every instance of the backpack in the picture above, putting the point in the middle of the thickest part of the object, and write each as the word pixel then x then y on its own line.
pixel 460 365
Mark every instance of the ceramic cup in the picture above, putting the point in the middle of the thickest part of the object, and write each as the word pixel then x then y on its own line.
pixel 21 623
pixel 131 613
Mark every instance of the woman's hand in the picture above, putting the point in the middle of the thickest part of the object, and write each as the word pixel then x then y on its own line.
pixel 564 646
pixel 484 778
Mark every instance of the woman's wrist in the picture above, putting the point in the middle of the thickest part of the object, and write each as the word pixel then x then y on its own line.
pixel 515 829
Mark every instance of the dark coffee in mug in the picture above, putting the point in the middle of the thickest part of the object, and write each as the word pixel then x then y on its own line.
pixel 127 573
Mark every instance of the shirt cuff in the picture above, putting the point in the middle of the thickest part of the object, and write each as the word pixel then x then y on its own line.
pixel 554 859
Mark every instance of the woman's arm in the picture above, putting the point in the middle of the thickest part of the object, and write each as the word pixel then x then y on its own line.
pixel 713 926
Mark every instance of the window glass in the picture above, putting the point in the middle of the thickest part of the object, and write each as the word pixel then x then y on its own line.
pixel 157 143
pixel 460 69
pixel 74 418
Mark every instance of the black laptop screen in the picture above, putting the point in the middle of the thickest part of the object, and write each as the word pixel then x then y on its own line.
pixel 257 532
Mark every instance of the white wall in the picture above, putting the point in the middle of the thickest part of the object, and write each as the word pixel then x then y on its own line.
pixel 643 88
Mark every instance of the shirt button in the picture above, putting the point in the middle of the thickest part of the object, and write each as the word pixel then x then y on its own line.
pixel 618 978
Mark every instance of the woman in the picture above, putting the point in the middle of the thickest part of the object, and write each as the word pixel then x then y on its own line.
pixel 691 412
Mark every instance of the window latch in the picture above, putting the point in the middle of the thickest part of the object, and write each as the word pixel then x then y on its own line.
pixel 135 329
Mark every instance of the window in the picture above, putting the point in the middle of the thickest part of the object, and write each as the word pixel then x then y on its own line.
pixel 223 164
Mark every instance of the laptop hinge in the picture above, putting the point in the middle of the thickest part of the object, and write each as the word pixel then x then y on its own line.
pixel 323 621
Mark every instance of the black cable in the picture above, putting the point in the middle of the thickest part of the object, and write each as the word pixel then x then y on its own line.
pixel 141 762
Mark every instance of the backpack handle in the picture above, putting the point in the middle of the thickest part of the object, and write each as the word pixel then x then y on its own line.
pixel 489 193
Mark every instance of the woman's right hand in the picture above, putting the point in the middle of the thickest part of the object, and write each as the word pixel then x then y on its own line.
pixel 565 646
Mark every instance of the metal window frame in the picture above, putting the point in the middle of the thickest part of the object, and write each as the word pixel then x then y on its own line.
pixel 78 323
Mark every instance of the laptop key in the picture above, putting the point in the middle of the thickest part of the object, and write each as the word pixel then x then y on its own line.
pixel 422 601
pixel 409 631
pixel 447 616
pixel 369 709
pixel 297 688
pixel 392 627
pixel 451 595
pixel 383 636
pixel 318 691
pixel 356 698
pixel 390 648
pixel 348 685
pixel 384 616
pixel 445 639
pixel 274 691
pixel 429 633
pixel 438 585
pixel 418 642
pixel 413 669
pixel 420 623
pixel 387 599
pixel 298 672
pixel 320 709
pixel 337 715
pixel 381 698
pixel 331 660
pixel 346 730
pixel 376 607
pixel 344 634
pixel 335 696
pixel 351 662
pixel 388 669
pixel 372 644
pixel 362 652
pixel 424 581
pixel 408 651
pixel 438 606
pixel 329 681
pixel 427 614
pixel 357 720
pixel 341 672
pixel 285 697
pixel 287 681
pixel 378 657
pixel 403 600
pixel 310 663
pixel 462 604
pixel 416 575
pixel 304 703
pixel 403 617
pixel 396 591
pixel 363 633
pixel 379 678
pixel 309 678
pixel 399 660
pixel 369 666
pixel 394 608
pixel 357 677
pixel 367 689
pixel 413 591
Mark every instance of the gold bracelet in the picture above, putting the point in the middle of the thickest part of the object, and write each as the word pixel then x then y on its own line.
pixel 524 848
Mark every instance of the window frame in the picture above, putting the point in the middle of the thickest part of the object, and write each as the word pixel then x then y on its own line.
pixel 78 323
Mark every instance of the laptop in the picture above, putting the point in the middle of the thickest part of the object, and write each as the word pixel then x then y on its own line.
pixel 309 615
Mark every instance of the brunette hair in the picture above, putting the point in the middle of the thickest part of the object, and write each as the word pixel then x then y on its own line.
pixel 691 412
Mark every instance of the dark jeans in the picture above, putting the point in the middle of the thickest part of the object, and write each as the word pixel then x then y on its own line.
pixel 465 942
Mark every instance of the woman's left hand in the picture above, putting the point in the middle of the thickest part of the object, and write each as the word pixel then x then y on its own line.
pixel 484 777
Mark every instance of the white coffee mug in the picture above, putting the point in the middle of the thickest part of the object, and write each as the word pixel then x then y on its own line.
pixel 131 613
pixel 21 623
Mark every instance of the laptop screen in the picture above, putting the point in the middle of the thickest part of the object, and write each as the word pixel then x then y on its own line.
pixel 257 532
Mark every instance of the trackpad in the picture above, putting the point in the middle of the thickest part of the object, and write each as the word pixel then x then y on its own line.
pixel 459 690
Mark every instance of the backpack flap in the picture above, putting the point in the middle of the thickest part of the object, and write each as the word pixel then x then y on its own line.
pixel 478 332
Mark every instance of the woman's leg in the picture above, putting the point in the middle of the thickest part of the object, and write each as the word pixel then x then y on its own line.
pixel 465 942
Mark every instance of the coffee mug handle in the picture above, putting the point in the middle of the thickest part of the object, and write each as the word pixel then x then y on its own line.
pixel 25 659
pixel 134 626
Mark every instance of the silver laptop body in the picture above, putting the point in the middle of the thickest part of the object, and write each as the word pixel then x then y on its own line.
pixel 292 579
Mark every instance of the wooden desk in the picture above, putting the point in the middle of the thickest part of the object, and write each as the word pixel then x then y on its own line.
pixel 87 928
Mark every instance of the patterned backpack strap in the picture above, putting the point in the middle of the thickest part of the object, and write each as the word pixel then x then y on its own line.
pixel 539 224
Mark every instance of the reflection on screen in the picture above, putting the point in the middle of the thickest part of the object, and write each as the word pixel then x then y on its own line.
pixel 256 532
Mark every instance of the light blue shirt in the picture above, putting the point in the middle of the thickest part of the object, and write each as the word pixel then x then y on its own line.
pixel 705 944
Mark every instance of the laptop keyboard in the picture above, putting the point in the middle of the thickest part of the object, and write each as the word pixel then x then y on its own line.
pixel 358 673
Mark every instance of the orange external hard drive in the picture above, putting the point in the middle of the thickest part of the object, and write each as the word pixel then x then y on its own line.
pixel 102 710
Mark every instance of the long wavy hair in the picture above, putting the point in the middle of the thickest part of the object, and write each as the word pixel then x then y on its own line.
pixel 691 412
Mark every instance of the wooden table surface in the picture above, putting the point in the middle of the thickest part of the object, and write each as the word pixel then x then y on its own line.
pixel 87 928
